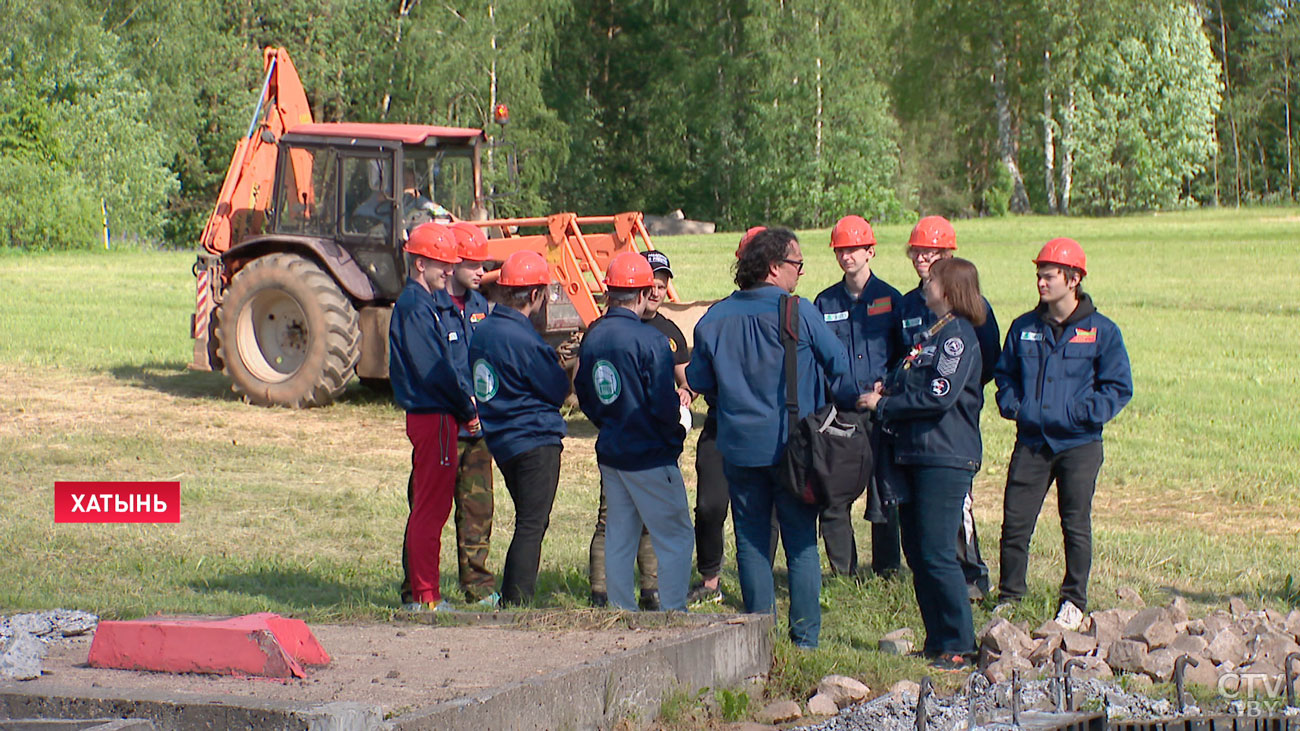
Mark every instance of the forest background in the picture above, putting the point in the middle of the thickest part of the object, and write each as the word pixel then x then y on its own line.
pixel 123 113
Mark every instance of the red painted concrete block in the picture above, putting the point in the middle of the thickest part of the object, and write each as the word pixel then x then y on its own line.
pixel 264 644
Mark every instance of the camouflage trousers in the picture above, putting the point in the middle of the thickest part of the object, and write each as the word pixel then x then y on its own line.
pixel 646 560
pixel 474 505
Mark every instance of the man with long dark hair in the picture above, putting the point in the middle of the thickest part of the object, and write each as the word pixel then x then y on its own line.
pixel 738 365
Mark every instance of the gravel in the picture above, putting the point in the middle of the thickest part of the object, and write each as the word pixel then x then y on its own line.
pixel 897 711
pixel 25 638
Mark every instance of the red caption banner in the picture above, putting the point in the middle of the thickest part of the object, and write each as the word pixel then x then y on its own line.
pixel 117 502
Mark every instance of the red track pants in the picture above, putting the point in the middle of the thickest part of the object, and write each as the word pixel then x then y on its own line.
pixel 433 479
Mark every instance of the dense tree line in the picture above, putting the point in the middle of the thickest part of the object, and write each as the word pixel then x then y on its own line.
pixel 737 111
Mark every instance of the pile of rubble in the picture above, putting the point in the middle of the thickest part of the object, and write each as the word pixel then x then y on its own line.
pixel 24 639
pixel 991 706
pixel 1146 642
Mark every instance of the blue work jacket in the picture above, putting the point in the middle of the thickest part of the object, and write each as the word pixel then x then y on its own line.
pixel 1061 391
pixel 420 363
pixel 459 327
pixel 625 386
pixel 915 318
pixel 519 384
pixel 868 325
pixel 738 365
pixel 933 401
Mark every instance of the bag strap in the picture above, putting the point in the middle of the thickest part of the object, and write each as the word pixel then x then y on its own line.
pixel 789 327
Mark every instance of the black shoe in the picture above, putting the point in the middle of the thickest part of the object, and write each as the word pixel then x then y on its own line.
pixel 649 601
pixel 975 593
pixel 701 594
pixel 599 599
pixel 949 663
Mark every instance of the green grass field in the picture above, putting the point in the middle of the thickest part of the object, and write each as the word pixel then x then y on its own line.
pixel 302 512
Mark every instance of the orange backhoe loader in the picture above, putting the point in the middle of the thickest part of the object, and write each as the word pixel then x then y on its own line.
pixel 302 257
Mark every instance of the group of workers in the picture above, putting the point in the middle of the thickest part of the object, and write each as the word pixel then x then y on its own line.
pixel 479 384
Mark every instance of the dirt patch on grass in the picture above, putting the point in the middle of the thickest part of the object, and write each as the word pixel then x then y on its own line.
pixel 398 666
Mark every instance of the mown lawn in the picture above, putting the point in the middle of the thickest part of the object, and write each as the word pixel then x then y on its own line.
pixel 302 512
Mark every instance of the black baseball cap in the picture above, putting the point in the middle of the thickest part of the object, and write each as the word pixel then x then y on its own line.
pixel 658 261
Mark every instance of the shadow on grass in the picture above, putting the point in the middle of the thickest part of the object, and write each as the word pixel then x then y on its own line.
pixel 175 378
pixel 291 588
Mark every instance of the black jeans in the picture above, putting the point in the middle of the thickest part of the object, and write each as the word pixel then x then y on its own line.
pixel 929 522
pixel 711 503
pixel 1031 473
pixel 886 545
pixel 532 479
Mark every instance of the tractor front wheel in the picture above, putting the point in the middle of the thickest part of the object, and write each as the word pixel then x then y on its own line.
pixel 288 335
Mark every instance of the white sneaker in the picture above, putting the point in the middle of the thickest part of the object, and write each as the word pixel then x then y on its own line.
pixel 1069 616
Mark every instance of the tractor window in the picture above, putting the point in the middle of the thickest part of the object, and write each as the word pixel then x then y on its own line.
pixel 441 184
pixel 306 200
pixel 367 202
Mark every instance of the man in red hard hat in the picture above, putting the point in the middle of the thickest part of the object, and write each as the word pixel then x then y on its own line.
pixel 934 238
pixel 427 386
pixel 626 387
pixel 461 307
pixel 1063 373
pixel 862 311
pixel 520 388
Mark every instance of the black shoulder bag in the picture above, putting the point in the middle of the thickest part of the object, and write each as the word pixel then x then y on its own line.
pixel 828 454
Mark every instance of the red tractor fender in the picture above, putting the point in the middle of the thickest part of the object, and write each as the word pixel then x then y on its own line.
pixel 336 260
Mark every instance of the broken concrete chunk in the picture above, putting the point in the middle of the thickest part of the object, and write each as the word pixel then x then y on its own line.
pixel 1159 664
pixel 1005 638
pixel 20 657
pixel 1237 608
pixel 842 689
pixel 779 712
pixel 1077 643
pixel 1150 626
pixel 1129 595
pixel 1127 655
pixel 999 671
pixel 1046 629
pixel 1202 673
pixel 822 705
pixel 906 688
pixel 1189 644
pixel 1045 649
pixel 1093 667
pixel 1177 610
pixel 1227 646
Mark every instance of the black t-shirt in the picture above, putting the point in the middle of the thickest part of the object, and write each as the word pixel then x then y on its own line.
pixel 676 341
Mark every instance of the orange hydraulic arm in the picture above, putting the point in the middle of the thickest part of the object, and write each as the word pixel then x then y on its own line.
pixel 246 191
pixel 577 258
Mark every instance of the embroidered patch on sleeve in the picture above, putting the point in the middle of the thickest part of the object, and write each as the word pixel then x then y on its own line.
pixel 947 365
pixel 940 386
pixel 954 347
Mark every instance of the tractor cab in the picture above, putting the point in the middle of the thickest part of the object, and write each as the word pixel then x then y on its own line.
pixel 366 186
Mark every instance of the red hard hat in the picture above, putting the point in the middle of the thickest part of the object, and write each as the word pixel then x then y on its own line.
pixel 524 269
pixel 629 270
pixel 933 232
pixel 433 241
pixel 471 242
pixel 1065 252
pixel 748 237
pixel 851 232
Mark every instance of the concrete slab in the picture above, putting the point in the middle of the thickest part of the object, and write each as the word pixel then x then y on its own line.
pixel 662 653
pixel 263 644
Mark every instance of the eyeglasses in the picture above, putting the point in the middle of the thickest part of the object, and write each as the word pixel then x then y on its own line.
pixel 921 253
pixel 798 264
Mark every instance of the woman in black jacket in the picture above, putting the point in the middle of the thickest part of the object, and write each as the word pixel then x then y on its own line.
pixel 930 404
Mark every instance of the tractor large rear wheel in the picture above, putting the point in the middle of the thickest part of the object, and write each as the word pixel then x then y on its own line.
pixel 288 335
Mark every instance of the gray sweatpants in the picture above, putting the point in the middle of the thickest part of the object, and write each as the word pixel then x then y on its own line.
pixel 655 498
